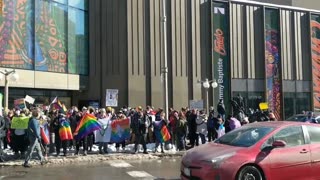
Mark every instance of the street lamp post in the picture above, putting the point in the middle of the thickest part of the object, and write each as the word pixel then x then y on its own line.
pixel 206 86
pixel 165 60
pixel 14 77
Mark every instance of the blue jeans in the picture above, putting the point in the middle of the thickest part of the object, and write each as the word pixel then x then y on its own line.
pixel 34 144
pixel 180 138
pixel 202 137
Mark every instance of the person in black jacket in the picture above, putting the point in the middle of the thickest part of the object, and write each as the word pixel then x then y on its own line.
pixel 192 126
pixel 139 127
pixel 2 136
pixel 56 125
pixel 221 109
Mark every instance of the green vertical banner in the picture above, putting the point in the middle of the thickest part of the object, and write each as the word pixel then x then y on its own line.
pixel 273 61
pixel 220 51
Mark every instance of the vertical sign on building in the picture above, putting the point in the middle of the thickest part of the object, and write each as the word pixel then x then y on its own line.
pixel 315 52
pixel 220 50
pixel 273 61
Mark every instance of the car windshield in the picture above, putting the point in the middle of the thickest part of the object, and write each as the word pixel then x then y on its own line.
pixel 244 136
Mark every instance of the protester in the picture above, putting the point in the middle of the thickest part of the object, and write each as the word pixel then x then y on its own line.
pixel 202 131
pixel 20 138
pixel 139 126
pixel 181 131
pixel 121 117
pixel 83 141
pixel 210 126
pixel 102 136
pixel 158 125
pixel 34 139
pixel 221 109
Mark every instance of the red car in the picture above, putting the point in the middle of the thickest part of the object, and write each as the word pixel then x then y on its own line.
pixel 258 151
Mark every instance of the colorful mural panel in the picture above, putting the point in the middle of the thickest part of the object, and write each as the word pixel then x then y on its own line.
pixel 51 39
pixel 15 28
pixel 315 47
pixel 273 61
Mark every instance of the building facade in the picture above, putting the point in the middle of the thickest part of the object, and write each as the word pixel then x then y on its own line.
pixel 77 49
pixel 47 43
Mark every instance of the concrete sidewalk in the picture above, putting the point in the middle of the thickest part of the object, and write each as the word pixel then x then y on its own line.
pixel 92 157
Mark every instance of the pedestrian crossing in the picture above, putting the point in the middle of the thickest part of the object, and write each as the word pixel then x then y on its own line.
pixel 140 175
pixel 136 172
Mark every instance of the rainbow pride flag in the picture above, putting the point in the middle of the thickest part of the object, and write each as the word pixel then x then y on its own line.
pixel 163 134
pixel 65 131
pixel 58 105
pixel 87 125
pixel 120 130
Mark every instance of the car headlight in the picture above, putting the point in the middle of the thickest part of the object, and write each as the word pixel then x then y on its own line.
pixel 218 160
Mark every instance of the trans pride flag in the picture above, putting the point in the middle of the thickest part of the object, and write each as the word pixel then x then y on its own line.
pixel 162 134
pixel 65 131
pixel 87 125
pixel 120 130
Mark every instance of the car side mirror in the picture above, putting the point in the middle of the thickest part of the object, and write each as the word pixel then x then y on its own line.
pixel 279 143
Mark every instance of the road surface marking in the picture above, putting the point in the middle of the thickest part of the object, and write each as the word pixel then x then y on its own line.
pixel 119 164
pixel 140 174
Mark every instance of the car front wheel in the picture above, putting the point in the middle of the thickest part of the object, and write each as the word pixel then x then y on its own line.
pixel 250 173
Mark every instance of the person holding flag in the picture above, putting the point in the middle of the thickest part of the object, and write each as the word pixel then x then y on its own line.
pixel 87 125
pixel 62 130
pixel 161 131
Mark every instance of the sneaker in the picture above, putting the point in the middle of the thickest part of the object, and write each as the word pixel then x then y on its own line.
pixel 27 165
pixel 162 151
pixel 85 153
pixel 145 152
pixel 76 153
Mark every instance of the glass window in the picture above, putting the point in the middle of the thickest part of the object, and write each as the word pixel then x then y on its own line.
pixel 62 1
pixel 314 134
pixel 81 4
pixel 50 40
pixel 78 59
pixel 251 99
pixel 293 136
pixel 244 136
pixel 289 105
pixel 303 102
pixel 295 103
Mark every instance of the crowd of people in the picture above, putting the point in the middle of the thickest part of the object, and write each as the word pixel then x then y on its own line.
pixel 187 127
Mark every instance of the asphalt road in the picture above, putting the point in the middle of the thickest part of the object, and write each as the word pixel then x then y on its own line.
pixel 113 170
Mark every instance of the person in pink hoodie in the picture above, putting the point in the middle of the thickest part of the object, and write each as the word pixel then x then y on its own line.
pixel 234 123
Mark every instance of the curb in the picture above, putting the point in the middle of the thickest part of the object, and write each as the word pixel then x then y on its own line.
pixel 93 158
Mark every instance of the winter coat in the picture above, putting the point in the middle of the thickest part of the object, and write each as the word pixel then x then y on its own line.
pixel 234 123
pixel 221 108
pixel 33 129
pixel 181 127
pixel 202 124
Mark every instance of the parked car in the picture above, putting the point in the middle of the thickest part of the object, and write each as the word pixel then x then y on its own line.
pixel 264 150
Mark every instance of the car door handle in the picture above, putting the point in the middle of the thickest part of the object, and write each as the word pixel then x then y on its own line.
pixel 304 151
